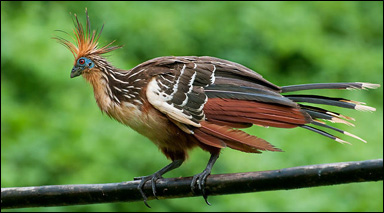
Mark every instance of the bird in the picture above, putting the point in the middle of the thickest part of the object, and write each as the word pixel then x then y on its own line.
pixel 182 102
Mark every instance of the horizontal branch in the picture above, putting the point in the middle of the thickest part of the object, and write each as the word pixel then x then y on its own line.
pixel 283 179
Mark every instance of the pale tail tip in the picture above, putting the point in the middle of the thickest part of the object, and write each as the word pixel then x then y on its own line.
pixel 365 108
pixel 338 120
pixel 369 85
pixel 340 116
pixel 354 136
pixel 348 118
pixel 342 141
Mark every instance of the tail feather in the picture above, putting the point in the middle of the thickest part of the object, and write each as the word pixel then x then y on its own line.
pixel 230 107
pixel 209 139
pixel 233 138
pixel 323 114
pixel 320 113
pixel 326 134
pixel 355 85
pixel 234 124
pixel 340 102
pixel 248 94
pixel 338 130
pixel 252 112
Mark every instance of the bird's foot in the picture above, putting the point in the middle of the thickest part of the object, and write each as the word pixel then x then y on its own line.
pixel 153 178
pixel 198 181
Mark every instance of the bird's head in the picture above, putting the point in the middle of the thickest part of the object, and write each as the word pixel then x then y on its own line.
pixel 85 49
pixel 83 63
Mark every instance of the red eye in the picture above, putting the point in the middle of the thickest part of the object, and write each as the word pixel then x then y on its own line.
pixel 81 61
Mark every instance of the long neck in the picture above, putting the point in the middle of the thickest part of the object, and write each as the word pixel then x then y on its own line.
pixel 112 86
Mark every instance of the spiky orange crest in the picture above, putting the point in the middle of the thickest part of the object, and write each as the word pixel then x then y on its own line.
pixel 86 43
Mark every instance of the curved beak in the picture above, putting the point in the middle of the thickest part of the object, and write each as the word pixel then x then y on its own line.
pixel 76 71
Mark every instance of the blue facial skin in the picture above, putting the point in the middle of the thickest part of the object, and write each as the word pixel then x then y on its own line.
pixel 81 64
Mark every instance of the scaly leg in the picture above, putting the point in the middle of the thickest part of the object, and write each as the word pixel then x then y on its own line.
pixel 200 179
pixel 154 177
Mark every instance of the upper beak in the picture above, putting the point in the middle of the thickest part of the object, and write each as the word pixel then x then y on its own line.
pixel 76 71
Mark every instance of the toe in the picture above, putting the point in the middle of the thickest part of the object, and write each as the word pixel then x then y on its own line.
pixel 193 183
pixel 154 179
pixel 199 181
pixel 140 187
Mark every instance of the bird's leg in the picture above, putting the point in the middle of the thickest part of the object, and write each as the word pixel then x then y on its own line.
pixel 200 179
pixel 154 177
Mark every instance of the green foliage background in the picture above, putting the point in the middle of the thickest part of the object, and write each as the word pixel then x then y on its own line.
pixel 52 131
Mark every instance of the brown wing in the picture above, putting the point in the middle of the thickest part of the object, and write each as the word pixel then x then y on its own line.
pixel 207 97
pixel 179 93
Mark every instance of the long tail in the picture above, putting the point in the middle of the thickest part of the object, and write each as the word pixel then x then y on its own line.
pixel 233 106
pixel 319 113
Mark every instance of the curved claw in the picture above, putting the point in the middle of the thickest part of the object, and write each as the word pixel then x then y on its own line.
pixel 200 180
pixel 154 177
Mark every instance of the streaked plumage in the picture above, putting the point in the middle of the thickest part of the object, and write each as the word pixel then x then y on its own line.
pixel 181 102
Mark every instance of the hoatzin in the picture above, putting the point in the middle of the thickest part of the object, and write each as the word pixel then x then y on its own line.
pixel 180 102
